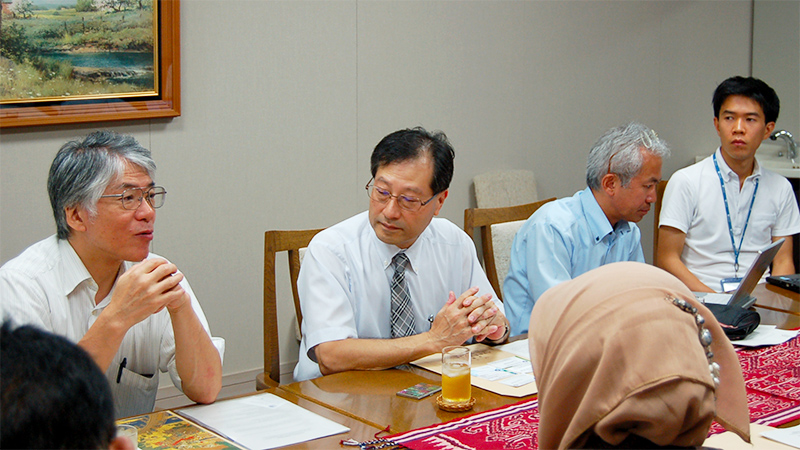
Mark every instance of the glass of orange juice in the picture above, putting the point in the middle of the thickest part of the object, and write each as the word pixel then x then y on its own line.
pixel 456 383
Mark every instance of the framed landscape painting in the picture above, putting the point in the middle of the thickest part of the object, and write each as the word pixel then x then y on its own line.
pixel 73 61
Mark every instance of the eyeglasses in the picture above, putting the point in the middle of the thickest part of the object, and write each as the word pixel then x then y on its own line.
pixel 131 198
pixel 381 195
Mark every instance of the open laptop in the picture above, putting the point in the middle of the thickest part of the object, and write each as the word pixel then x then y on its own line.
pixel 790 282
pixel 741 296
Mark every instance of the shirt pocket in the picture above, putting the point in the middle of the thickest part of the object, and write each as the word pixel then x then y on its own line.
pixel 759 231
pixel 134 394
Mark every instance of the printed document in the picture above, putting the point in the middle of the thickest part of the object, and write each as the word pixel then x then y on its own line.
pixel 262 421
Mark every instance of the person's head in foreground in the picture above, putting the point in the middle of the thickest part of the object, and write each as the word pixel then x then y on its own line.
pixel 53 394
pixel 622 359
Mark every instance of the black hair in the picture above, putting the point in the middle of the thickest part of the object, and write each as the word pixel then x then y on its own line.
pixel 752 88
pixel 53 394
pixel 404 145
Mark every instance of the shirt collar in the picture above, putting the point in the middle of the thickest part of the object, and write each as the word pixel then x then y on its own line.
pixel 387 251
pixel 728 174
pixel 599 225
pixel 72 270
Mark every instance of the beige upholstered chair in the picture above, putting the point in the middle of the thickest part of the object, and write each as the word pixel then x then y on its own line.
pixel 292 242
pixel 498 227
pixel 500 188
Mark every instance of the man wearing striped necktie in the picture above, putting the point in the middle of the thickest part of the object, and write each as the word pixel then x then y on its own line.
pixel 379 289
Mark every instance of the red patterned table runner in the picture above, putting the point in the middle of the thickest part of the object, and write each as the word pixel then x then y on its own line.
pixel 772 379
pixel 512 426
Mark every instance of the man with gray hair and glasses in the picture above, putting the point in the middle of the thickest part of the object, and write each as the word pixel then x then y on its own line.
pixel 596 226
pixel 96 283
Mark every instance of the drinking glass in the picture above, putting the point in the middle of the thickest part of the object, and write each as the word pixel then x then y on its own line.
pixel 456 382
pixel 129 432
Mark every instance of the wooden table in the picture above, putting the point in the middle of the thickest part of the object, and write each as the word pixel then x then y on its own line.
pixel 777 306
pixel 366 401
pixel 370 396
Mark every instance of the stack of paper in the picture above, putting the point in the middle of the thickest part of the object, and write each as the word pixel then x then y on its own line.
pixel 262 421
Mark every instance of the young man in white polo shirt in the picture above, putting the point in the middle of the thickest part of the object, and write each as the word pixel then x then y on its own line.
pixel 717 214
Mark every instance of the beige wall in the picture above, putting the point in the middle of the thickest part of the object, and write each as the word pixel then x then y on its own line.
pixel 284 100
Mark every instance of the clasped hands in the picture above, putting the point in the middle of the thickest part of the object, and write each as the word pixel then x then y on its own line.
pixel 468 316
pixel 147 288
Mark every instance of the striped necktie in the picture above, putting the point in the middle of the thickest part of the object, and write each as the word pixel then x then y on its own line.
pixel 402 312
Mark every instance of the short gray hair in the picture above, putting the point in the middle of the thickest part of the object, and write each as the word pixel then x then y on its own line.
pixel 83 169
pixel 620 150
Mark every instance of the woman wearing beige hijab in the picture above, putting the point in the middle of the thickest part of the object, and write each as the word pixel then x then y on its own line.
pixel 624 356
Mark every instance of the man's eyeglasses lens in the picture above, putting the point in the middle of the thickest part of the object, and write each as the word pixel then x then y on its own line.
pixel 132 198
pixel 383 196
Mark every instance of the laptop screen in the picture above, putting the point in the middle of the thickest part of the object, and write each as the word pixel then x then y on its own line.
pixel 753 275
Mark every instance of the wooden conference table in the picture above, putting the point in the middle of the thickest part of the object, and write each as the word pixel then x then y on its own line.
pixel 366 401
pixel 369 396
pixel 777 306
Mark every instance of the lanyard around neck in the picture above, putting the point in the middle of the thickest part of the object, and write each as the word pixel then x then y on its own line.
pixel 736 250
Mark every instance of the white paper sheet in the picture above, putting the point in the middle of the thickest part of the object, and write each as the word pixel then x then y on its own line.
pixel 519 348
pixel 766 335
pixel 788 436
pixel 262 421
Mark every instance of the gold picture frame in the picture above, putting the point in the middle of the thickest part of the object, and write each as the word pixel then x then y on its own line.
pixel 165 102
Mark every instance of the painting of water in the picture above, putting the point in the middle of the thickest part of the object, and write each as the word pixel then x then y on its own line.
pixel 58 50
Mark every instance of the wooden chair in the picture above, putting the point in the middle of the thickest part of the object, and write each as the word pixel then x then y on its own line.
pixel 279 241
pixel 656 216
pixel 485 218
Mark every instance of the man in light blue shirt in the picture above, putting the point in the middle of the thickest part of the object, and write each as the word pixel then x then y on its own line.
pixel 573 235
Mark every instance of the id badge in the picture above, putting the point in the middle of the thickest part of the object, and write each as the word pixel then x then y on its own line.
pixel 730 284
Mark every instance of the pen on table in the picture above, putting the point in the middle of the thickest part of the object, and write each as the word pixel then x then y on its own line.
pixel 121 366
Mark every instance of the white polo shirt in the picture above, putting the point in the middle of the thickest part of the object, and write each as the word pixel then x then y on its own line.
pixel 693 203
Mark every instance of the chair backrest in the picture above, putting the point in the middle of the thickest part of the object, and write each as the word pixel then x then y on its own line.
pixel 292 242
pixel 496 239
pixel 657 215
pixel 501 188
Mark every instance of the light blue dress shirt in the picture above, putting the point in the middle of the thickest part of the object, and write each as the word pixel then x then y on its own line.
pixel 560 241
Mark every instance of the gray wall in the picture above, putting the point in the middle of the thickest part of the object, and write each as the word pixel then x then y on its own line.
pixel 284 100
pixel 776 56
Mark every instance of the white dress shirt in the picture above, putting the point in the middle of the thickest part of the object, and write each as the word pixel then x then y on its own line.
pixel 48 286
pixel 346 273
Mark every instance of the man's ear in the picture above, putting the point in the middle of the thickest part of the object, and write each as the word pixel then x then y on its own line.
pixel 768 130
pixel 609 183
pixel 440 202
pixel 77 217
